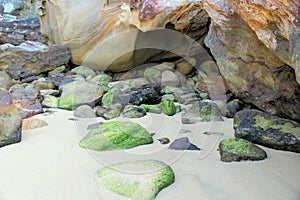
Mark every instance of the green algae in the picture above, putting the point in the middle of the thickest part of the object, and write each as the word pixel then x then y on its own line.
pixel 152 108
pixel 168 107
pixel 116 135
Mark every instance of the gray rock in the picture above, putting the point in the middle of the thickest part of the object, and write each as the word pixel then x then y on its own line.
pixel 50 101
pixel 5 80
pixel 131 111
pixel 232 107
pixel 84 71
pixel 84 111
pixel 183 144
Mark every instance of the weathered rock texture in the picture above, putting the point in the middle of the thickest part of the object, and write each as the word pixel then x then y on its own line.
pixel 107 35
pixel 32 58
pixel 256 44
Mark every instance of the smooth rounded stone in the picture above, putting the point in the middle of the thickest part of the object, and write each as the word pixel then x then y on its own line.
pixel 145 94
pixel 151 108
pixel 183 144
pixel 59 69
pixel 50 101
pixel 168 107
pixel 10 120
pixel 49 92
pixel 43 85
pixel 136 180
pixel 132 111
pixel 84 111
pixel 236 149
pixel 184 67
pixel 84 71
pixel 188 97
pixel 28 100
pixel 267 130
pixel 232 107
pixel 102 78
pixel 113 111
pixel 79 93
pixel 202 111
pixel 154 74
pixel 116 135
pixel 5 80
pixel 164 140
pixel 33 123
pixel 170 78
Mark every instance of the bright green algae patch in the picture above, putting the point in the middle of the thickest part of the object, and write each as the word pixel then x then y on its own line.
pixel 136 180
pixel 116 135
pixel 240 149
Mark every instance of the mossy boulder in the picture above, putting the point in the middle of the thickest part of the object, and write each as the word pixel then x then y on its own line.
pixel 108 97
pixel 268 130
pixel 152 108
pixel 50 101
pixel 136 180
pixel 168 107
pixel 84 71
pixel 236 149
pixel 79 93
pixel 116 135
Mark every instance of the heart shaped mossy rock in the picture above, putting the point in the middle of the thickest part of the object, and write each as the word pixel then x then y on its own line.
pixel 136 180
pixel 116 135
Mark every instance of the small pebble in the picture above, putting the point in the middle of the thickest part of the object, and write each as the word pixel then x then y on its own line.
pixel 164 140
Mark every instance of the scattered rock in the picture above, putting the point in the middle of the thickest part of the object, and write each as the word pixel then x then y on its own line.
pixel 164 140
pixel 183 144
pixel 10 120
pixel 100 111
pixel 50 101
pixel 102 78
pixel 170 78
pixel 113 111
pixel 5 80
pixel 27 99
pixel 168 107
pixel 18 61
pixel 136 180
pixel 202 111
pixel 79 93
pixel 57 70
pixel 232 107
pixel 213 133
pixel 267 130
pixel 49 92
pixel 240 149
pixel 33 123
pixel 116 135
pixel 131 111
pixel 146 94
pixel 108 97
pixel 84 111
pixel 185 131
pixel 84 71
pixel 152 108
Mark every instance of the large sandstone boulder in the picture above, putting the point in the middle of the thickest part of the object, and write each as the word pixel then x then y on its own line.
pixel 118 35
pixel 256 44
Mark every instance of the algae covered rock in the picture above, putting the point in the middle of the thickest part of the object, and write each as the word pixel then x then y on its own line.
pixel 79 93
pixel 132 111
pixel 236 149
pixel 136 180
pixel 116 135
pixel 168 107
pixel 268 130
pixel 152 108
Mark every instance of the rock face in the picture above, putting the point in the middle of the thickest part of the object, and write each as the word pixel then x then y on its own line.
pixel 92 29
pixel 240 149
pixel 32 58
pixel 116 135
pixel 256 45
pixel 265 129
pixel 136 180
pixel 10 120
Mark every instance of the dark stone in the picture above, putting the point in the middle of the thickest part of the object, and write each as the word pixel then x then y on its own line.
pixel 22 63
pixel 131 111
pixel 28 100
pixel 232 107
pixel 100 111
pixel 146 94
pixel 267 130
pixel 235 149
pixel 183 144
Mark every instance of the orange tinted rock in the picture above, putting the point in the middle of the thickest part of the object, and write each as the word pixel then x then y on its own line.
pixel 33 123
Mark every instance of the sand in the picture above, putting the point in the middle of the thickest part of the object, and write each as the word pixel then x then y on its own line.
pixel 49 165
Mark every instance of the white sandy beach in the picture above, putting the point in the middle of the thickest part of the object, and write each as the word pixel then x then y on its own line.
pixel 49 164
